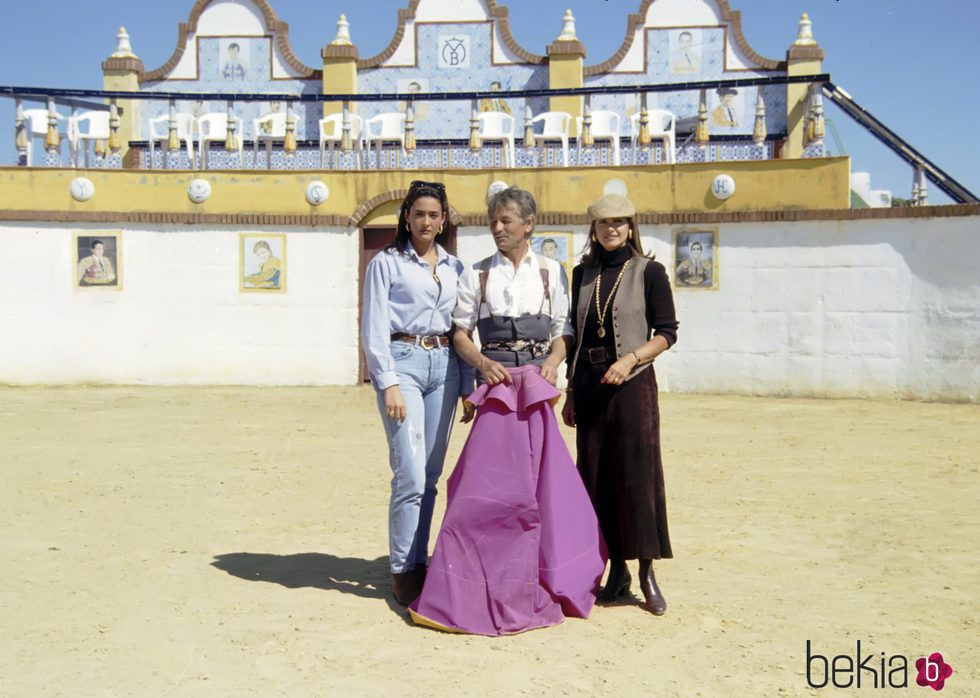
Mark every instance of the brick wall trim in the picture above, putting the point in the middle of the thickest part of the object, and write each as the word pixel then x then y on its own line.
pixel 313 220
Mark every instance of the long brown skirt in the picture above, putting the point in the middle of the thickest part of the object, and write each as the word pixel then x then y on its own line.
pixel 618 437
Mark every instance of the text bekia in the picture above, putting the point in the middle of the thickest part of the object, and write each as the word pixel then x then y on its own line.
pixel 874 670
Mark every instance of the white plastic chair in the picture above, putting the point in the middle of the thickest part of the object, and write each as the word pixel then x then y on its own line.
pixel 96 128
pixel 160 131
pixel 332 133
pixel 36 123
pixel 213 127
pixel 605 127
pixel 499 126
pixel 554 128
pixel 266 129
pixel 388 127
pixel 663 125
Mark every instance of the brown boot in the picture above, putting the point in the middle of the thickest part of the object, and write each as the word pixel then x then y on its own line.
pixel 653 599
pixel 421 569
pixel 405 587
pixel 618 583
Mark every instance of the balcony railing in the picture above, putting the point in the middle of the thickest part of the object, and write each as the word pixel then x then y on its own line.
pixel 211 130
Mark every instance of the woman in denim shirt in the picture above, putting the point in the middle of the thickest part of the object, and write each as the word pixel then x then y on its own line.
pixel 409 296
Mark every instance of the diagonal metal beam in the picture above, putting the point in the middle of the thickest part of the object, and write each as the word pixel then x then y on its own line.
pixel 937 176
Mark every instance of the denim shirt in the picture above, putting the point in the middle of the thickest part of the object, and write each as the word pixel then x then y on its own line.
pixel 400 295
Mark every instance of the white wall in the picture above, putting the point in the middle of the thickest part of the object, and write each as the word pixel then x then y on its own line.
pixel 180 317
pixel 882 308
pixel 879 307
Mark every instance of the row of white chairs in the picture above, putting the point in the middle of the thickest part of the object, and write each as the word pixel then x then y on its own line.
pixel 500 127
pixel 91 126
pixel 82 129
pixel 553 126
pixel 271 127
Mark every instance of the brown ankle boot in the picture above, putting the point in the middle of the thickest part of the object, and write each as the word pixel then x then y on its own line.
pixel 653 599
pixel 421 569
pixel 405 587
pixel 618 584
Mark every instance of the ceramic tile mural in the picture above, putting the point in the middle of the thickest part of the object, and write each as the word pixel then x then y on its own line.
pixel 436 43
pixel 247 68
pixel 706 53
pixel 457 57
pixel 458 155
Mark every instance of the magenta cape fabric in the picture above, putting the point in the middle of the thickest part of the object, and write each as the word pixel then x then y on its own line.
pixel 519 547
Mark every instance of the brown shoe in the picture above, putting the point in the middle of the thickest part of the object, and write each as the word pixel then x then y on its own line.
pixel 618 583
pixel 405 587
pixel 421 569
pixel 653 599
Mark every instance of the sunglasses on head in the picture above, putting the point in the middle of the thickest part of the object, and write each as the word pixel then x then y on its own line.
pixel 419 184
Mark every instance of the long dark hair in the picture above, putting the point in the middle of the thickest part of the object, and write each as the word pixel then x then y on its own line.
pixel 592 258
pixel 416 190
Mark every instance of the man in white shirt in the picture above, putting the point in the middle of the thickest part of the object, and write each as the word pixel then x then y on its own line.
pixel 516 299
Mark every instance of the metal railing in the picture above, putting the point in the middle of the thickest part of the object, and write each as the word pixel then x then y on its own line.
pixel 695 140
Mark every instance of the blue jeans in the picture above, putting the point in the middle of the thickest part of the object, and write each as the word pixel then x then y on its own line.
pixel 429 381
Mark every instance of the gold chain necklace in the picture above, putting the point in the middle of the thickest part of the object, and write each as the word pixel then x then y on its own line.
pixel 601 312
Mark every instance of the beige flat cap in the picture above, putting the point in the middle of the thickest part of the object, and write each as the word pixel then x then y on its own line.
pixel 611 206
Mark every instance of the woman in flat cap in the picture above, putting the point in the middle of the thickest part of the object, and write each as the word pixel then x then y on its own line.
pixel 622 318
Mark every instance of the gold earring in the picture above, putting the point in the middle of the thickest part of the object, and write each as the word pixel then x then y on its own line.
pixel 440 231
pixel 631 234
pixel 594 238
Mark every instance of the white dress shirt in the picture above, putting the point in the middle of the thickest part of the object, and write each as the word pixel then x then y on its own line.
pixel 512 292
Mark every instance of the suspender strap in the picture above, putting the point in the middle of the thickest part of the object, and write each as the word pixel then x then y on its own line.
pixel 484 275
pixel 547 289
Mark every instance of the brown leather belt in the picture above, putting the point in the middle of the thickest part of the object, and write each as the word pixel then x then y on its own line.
pixel 426 342
pixel 598 355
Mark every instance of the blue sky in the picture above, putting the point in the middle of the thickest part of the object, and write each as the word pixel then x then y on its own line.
pixel 911 63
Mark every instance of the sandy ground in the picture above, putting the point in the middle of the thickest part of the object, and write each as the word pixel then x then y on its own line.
pixel 229 542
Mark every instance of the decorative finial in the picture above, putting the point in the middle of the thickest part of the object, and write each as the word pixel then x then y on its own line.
pixel 123 48
pixel 343 32
pixel 759 130
pixel 805 35
pixel 568 27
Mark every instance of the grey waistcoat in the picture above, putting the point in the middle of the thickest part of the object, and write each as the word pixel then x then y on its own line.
pixel 629 311
pixel 503 329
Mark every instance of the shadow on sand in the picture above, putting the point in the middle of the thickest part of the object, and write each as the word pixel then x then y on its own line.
pixel 349 575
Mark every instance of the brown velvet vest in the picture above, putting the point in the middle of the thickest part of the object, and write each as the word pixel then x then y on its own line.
pixel 629 311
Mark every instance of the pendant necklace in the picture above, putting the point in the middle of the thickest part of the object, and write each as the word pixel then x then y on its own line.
pixel 601 312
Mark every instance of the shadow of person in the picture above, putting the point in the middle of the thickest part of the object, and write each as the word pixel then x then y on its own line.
pixel 348 575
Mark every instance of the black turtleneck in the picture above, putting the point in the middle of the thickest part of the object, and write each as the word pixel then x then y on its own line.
pixel 659 300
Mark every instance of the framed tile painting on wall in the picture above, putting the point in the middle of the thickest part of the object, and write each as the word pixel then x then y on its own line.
pixel 696 258
pixel 557 246
pixel 98 259
pixel 262 262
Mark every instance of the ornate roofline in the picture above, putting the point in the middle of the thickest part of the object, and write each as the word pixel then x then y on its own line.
pixel 636 21
pixel 498 16
pixel 279 29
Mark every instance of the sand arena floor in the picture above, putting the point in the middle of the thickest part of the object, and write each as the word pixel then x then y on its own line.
pixel 230 542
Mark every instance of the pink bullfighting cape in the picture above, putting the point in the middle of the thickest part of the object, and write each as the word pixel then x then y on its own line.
pixel 519 547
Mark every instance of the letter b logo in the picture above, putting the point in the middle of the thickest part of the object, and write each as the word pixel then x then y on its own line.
pixel 933 671
pixel 818 659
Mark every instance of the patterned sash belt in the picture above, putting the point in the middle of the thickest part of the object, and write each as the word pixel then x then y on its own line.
pixel 535 347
